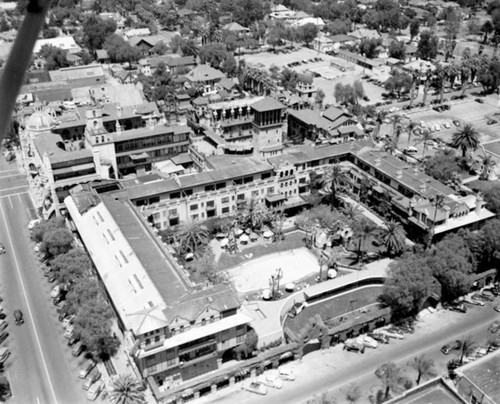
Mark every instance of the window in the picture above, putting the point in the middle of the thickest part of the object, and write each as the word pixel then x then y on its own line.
pixel 173 221
pixel 194 217
pixel 209 187
pixel 111 235
pixel 241 197
pixel 188 192
pixel 157 338
pixel 225 199
pixel 148 341
pixel 172 213
pixel 170 362
pixel 210 204
pixel 220 185
pixel 203 321
pixel 225 209
pixel 255 194
pixel 193 207
pixel 270 190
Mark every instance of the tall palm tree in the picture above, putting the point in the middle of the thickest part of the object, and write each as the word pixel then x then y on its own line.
pixel 381 114
pixel 191 236
pixel 467 345
pixel 411 128
pixel 465 139
pixel 424 367
pixel 124 389
pixel 352 212
pixel 487 163
pixel 393 237
pixel 363 230
pixel 334 177
pixel 425 136
pixel 397 127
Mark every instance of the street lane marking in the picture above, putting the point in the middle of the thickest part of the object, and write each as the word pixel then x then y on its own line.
pixel 8 189
pixel 8 171
pixel 10 200
pixel 16 262
pixel 19 193
pixel 11 176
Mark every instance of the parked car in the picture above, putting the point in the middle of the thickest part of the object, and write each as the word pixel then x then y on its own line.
pixel 91 378
pixel 73 340
pixel 491 122
pixel 353 345
pixel 456 123
pixel 94 390
pixel 475 302
pixel 51 277
pixel 33 223
pixel 68 321
pixel 384 339
pixel 392 334
pixel 407 328
pixel 271 380
pixel 497 308
pixel 451 346
pixel 447 125
pixel 3 336
pixel 77 349
pixel 367 341
pixel 86 369
pixel 3 250
pixel 68 333
pixel 55 291
pixel 3 325
pixel 18 316
pixel 296 309
pixel 482 297
pixel 4 354
pixel 479 100
pixel 255 387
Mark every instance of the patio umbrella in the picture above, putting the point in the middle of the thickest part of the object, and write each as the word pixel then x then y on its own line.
pixel 220 235
pixel 189 256
pixel 268 234
pixel 266 294
pixel 238 231
pixel 244 238
pixel 254 236
pixel 290 287
pixel 224 242
pixel 332 273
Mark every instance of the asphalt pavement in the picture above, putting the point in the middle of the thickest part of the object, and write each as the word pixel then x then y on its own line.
pixel 40 369
pixel 337 369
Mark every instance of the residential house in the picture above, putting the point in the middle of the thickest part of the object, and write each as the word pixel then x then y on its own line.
pixel 66 43
pixel 205 77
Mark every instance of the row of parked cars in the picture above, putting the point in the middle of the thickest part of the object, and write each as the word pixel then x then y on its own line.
pixel 89 373
pixel 274 378
pixel 304 62
pixel 380 336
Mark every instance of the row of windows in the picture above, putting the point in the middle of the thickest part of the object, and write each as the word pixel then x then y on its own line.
pixel 151 141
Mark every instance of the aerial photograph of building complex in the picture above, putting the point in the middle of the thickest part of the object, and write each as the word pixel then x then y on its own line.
pixel 250 201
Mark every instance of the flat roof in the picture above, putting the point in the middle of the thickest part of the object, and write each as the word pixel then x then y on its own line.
pixel 47 143
pixel 485 374
pixel 267 104
pixel 433 392
pixel 493 147
pixel 154 261
pixel 156 130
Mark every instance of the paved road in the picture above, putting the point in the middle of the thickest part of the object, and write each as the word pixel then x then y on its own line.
pixel 41 369
pixel 339 368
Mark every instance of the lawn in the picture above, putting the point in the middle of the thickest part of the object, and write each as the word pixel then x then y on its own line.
pixel 292 241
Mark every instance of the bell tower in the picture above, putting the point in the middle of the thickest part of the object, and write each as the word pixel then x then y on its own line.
pixel 95 133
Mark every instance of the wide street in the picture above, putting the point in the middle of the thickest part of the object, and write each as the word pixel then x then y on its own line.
pixel 40 369
pixel 335 369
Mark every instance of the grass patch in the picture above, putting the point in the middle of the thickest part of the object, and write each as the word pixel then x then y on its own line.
pixel 292 241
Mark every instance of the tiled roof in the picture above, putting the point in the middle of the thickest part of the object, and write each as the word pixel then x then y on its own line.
pixel 267 104
pixel 333 113
pixel 341 38
pixel 234 27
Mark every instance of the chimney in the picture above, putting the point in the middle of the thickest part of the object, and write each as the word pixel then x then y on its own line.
pixel 399 174
pixel 479 203
pixel 415 170
pixel 423 187
pixel 377 161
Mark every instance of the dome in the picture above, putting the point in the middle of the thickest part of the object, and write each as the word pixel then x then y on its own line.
pixel 40 121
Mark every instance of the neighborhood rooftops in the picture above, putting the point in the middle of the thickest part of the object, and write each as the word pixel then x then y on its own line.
pixel 267 104
pixel 204 73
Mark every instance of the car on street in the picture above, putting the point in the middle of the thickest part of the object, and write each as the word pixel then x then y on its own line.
pixel 4 354
pixel 491 122
pixel 3 336
pixel 86 369
pixel 73 340
pixel 482 297
pixel 392 334
pixel 447 125
pixel 456 123
pixel 68 321
pixel 479 100
pixel 354 346
pixel 497 308
pixel 18 317
pixel 472 301
pixel 296 309
pixel 384 339
pixel 255 387
pixel 3 250
pixel 91 378
pixel 460 307
pixel 37 247
pixel 77 349
pixel 94 391
pixel 3 325
pixel 286 374
pixel 451 346
pixel 68 333
pixel 33 223
pixel 367 341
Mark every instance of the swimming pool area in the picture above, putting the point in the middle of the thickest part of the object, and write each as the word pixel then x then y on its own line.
pixel 254 274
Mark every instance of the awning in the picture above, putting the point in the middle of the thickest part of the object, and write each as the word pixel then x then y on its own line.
pixel 71 169
pixel 275 198
pixel 140 156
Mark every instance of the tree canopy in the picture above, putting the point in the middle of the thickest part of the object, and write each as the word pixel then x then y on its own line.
pixel 96 31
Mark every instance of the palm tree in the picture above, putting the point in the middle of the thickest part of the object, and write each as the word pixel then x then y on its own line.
pixel 363 230
pixel 192 235
pixel 381 114
pixel 465 139
pixel 393 237
pixel 397 127
pixel 124 389
pixel 410 128
pixel 424 367
pixel 426 136
pixel 331 180
pixel 487 163
pixel 352 212
pixel 467 345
